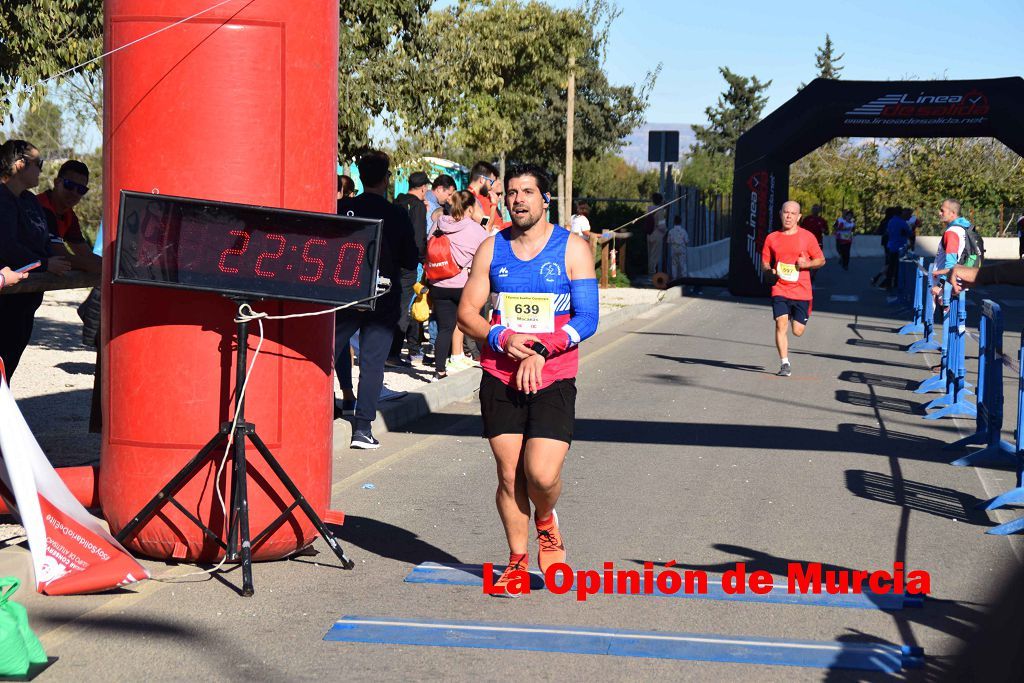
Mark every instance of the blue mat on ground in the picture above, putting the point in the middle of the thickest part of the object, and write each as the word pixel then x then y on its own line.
pixel 472 575
pixel 620 643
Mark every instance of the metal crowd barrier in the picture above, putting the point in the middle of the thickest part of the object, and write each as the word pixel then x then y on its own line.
pixel 914 280
pixel 989 420
pixel 927 303
pixel 1015 495
pixel 988 413
pixel 937 382
pixel 954 376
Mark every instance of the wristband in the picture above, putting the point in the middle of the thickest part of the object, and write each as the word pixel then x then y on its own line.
pixel 3 281
pixel 497 338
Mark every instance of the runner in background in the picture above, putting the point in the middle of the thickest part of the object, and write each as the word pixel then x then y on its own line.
pixel 789 254
pixel 547 304
pixel 843 230
pixel 817 226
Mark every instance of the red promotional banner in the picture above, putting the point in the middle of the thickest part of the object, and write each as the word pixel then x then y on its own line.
pixel 71 552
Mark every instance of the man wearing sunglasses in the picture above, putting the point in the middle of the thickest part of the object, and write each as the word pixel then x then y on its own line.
pixel 483 178
pixel 70 185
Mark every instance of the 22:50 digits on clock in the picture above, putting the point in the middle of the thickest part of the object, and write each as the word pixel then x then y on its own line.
pixel 298 258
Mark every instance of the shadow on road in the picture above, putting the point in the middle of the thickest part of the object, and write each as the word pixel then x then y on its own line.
pixel 933 500
pixel 390 541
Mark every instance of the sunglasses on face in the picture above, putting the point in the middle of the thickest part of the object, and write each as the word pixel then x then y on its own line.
pixel 74 187
pixel 29 161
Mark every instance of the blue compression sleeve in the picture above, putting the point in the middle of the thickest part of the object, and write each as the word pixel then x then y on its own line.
pixel 586 307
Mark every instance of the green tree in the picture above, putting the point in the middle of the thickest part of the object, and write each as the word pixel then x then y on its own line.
pixel 827 62
pixel 378 49
pixel 43 127
pixel 985 176
pixel 611 176
pixel 737 110
pixel 707 171
pixel 605 116
pixel 496 83
pixel 40 39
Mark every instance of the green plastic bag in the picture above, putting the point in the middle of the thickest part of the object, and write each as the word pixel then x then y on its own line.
pixel 19 647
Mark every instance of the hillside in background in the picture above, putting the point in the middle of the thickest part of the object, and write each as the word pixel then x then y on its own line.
pixel 635 149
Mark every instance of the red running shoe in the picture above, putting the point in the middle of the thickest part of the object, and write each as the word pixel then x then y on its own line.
pixel 549 541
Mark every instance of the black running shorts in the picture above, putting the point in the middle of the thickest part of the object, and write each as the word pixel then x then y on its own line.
pixel 548 414
pixel 797 310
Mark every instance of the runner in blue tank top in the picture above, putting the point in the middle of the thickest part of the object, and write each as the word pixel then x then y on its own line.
pixel 547 304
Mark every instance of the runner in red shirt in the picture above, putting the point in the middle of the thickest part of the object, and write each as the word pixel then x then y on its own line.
pixel 789 254
pixel 815 224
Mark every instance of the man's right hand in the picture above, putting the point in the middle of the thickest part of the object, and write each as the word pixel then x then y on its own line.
pixel 58 265
pixel 518 346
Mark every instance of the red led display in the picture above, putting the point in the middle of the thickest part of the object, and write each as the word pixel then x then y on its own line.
pixel 246 251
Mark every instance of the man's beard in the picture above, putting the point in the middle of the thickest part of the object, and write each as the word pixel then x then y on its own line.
pixel 526 221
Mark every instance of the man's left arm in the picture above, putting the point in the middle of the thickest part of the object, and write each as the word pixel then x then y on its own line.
pixel 82 258
pixel 584 296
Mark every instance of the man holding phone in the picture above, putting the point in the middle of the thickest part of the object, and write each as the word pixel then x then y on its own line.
pixel 483 180
pixel 24 239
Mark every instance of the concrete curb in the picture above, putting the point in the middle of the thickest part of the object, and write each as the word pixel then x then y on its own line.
pixel 394 415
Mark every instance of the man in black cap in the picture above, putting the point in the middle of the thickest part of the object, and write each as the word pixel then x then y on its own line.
pixel 408 330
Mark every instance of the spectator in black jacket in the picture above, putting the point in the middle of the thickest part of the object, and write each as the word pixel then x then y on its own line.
pixel 24 239
pixel 376 327
pixel 407 332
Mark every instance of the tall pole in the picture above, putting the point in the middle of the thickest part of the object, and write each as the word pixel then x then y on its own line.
pixel 570 125
pixel 561 200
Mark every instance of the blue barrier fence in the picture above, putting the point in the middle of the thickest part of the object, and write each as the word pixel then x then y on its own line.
pixel 954 375
pixel 988 413
pixel 1015 495
pixel 989 422
pixel 929 342
pixel 913 285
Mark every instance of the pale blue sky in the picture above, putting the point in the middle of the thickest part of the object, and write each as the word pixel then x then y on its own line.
pixel 881 40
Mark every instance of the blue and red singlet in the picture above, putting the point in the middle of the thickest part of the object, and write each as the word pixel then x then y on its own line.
pixel 545 273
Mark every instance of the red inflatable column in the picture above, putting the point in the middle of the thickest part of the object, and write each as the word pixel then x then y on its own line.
pixel 240 105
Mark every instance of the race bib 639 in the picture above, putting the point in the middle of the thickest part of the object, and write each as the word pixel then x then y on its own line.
pixel 528 313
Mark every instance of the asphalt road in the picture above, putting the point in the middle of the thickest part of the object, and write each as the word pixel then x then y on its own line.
pixel 688 448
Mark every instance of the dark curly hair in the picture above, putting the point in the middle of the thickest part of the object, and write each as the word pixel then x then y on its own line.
pixel 538 173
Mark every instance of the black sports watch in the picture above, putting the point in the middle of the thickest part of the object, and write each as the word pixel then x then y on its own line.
pixel 541 350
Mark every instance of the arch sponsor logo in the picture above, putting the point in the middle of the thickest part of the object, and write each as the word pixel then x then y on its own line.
pixel 761 185
pixel 902 107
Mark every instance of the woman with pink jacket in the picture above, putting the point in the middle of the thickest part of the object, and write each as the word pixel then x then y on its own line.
pixel 465 233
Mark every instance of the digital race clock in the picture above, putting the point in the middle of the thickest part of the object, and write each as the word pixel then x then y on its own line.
pixel 247 251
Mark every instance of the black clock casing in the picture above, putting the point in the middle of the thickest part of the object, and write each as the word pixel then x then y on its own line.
pixel 238 250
